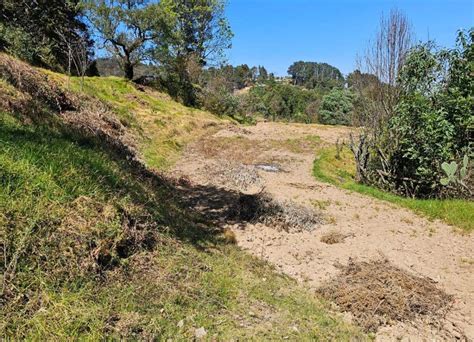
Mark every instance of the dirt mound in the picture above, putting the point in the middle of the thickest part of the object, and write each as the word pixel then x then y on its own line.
pixel 378 293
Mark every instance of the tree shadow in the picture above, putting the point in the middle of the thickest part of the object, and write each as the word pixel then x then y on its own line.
pixel 190 212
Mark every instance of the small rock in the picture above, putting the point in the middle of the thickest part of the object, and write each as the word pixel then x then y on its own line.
pixel 200 333
pixel 180 324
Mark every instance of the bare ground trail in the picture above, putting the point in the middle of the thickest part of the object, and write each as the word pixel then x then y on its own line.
pixel 373 229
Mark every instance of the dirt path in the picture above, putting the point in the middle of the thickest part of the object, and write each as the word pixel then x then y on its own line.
pixel 373 229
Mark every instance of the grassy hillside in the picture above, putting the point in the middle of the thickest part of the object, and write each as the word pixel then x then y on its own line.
pixel 162 126
pixel 341 172
pixel 94 246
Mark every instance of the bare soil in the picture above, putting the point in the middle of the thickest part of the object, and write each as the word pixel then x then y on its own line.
pixel 413 248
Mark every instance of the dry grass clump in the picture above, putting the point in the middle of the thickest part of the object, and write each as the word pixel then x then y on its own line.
pixel 234 175
pixel 378 293
pixel 229 236
pixel 286 215
pixel 333 237
pixel 28 80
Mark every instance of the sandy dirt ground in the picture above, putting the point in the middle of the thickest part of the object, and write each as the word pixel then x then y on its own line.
pixel 373 229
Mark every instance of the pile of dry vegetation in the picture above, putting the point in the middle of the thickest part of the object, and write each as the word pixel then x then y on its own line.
pixel 378 293
pixel 287 215
pixel 35 95
pixel 234 175
pixel 223 205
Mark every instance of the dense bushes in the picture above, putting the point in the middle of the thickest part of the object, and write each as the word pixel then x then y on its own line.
pixel 336 108
pixel 433 124
pixel 277 101
pixel 217 97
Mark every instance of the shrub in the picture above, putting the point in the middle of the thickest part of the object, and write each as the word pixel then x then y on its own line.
pixel 216 96
pixel 283 102
pixel 433 123
pixel 336 108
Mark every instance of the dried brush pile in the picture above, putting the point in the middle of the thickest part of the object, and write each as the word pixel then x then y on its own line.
pixel 285 215
pixel 378 293
pixel 235 175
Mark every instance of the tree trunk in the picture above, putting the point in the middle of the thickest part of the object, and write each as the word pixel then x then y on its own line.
pixel 128 70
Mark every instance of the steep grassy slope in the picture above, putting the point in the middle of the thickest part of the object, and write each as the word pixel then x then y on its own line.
pixel 162 126
pixel 95 246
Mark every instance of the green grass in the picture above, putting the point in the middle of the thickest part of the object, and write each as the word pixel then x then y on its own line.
pixel 161 126
pixel 340 172
pixel 66 204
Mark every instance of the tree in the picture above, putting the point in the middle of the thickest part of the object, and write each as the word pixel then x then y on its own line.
pixel 315 75
pixel 198 36
pixel 262 74
pixel 78 55
pixel 384 58
pixel 336 108
pixel 34 30
pixel 364 87
pixel 126 27
pixel 243 76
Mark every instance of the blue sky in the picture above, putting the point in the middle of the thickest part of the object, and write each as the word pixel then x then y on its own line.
pixel 275 33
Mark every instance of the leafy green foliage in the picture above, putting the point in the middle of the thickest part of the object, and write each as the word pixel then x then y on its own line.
pixel 217 97
pixel 125 28
pixel 197 34
pixel 279 101
pixel 433 123
pixel 315 75
pixel 34 30
pixel 238 77
pixel 336 108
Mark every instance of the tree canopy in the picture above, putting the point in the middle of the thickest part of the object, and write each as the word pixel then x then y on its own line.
pixel 312 75
pixel 35 30
pixel 125 27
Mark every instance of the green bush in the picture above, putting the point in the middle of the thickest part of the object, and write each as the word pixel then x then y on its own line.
pixel 284 102
pixel 433 124
pixel 337 107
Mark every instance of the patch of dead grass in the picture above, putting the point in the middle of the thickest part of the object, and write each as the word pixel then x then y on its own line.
pixel 378 293
pixel 332 237
pixel 285 215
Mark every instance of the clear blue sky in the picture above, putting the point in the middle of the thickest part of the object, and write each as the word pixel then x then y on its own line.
pixel 275 33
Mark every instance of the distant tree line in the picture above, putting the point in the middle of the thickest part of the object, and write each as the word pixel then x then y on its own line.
pixel 240 76
pixel 315 75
